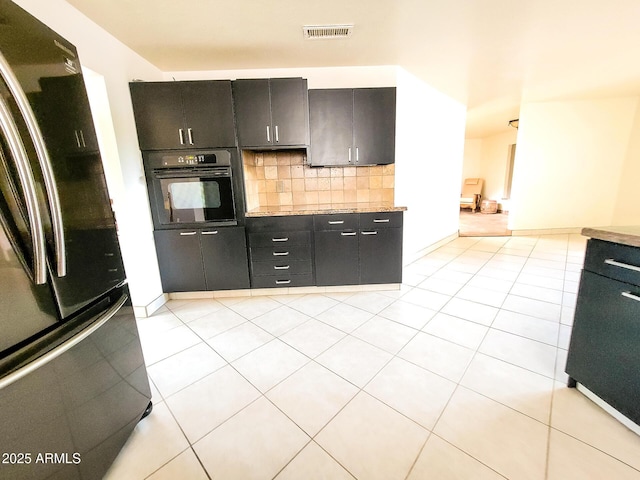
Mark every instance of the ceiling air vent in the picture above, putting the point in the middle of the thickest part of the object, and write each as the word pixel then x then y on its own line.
pixel 318 32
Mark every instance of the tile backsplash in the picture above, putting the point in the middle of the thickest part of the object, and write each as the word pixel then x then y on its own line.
pixel 281 178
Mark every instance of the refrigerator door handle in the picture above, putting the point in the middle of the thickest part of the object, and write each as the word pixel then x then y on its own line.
pixel 44 161
pixel 64 347
pixel 19 154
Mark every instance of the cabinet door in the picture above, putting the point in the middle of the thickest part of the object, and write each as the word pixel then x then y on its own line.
pixel 224 252
pixel 253 112
pixel 157 107
pixel 180 260
pixel 374 125
pixel 331 127
pixel 604 354
pixel 336 258
pixel 381 255
pixel 208 111
pixel 289 111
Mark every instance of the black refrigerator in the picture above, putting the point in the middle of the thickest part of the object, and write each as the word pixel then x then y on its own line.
pixel 73 382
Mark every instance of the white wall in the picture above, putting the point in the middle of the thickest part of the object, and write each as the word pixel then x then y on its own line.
pixel 117 64
pixel 429 152
pixel 572 159
pixel 626 211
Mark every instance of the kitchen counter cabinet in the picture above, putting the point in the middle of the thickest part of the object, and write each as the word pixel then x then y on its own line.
pixel 604 352
pixel 272 113
pixel 352 126
pixel 178 115
pixel 280 251
pixel 353 249
pixel 202 259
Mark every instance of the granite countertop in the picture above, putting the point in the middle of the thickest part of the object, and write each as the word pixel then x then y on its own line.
pixel 362 207
pixel 627 235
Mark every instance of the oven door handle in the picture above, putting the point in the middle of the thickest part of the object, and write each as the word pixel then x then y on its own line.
pixel 203 172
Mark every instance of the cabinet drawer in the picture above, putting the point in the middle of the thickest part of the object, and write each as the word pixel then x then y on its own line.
pixel 279 239
pixel 268 281
pixel 281 253
pixel 277 267
pixel 279 224
pixel 380 220
pixel 336 221
pixel 613 260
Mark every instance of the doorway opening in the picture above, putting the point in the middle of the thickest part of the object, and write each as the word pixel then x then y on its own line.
pixel 484 222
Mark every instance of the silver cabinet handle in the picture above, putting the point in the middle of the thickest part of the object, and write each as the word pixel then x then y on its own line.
pixel 380 220
pixel 212 232
pixel 281 267
pixel 348 234
pixel 369 233
pixel 280 254
pixel 84 144
pixel 277 137
pixel 283 239
pixel 65 347
pixel 611 261
pixel 268 134
pixel 44 162
pixel 190 136
pixel 75 132
pixel 357 154
pixel 335 222
pixel 181 136
pixel 187 234
pixel 14 142
pixel 283 282
pixel 349 154
pixel 631 296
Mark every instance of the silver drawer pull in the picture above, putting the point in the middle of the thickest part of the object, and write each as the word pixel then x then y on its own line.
pixel 369 233
pixel 283 282
pixel 281 267
pixel 212 232
pixel 611 261
pixel 187 234
pixel 280 254
pixel 380 220
pixel 631 296
pixel 348 234
pixel 335 222
pixel 284 239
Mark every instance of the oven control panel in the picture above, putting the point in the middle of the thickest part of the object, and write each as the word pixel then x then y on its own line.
pixel 178 159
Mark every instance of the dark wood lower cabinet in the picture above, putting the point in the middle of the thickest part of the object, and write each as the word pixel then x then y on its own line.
pixel 337 258
pixel 381 255
pixel 180 260
pixel 202 259
pixel 224 255
pixel 604 354
pixel 367 251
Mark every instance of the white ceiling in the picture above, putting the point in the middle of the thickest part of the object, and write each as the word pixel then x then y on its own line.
pixel 488 54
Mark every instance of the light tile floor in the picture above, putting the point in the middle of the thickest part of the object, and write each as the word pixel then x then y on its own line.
pixel 457 375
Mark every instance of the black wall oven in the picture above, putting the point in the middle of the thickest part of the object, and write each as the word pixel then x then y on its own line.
pixel 191 188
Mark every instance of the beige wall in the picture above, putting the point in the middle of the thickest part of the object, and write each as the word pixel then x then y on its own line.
pixel 626 210
pixel 576 164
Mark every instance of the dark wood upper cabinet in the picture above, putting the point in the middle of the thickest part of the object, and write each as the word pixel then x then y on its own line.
pixel 352 126
pixel 179 115
pixel 272 113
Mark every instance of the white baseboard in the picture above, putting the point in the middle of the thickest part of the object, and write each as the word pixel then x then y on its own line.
pixel 151 308
pixel 547 231
pixel 410 258
pixel 627 422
